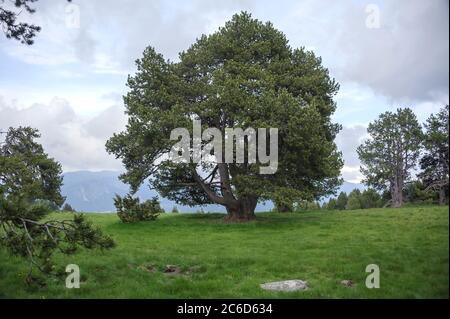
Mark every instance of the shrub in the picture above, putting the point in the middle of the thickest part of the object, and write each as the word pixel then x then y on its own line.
pixel 175 210
pixel 130 210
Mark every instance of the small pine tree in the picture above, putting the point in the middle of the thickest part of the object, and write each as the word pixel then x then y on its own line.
pixel 175 210
pixel 341 201
pixel 370 198
pixel 130 209
pixel 354 200
pixel 332 204
pixel 30 190
pixel 68 208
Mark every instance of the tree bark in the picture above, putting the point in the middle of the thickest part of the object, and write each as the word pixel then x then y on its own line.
pixel 441 195
pixel 243 211
pixel 397 193
pixel 238 209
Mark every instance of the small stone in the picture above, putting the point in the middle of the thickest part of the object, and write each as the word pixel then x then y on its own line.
pixel 347 283
pixel 172 269
pixel 286 285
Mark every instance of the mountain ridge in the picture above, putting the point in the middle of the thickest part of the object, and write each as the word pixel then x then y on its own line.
pixel 93 191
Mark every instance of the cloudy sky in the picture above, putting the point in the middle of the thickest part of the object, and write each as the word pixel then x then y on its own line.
pixel 385 54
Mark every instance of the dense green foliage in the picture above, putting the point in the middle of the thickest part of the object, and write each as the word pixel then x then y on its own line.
pixel 409 244
pixel 30 184
pixel 414 192
pixel 130 209
pixel 417 192
pixel 244 75
pixel 391 152
pixel 283 205
pixel 26 171
pixel 435 162
pixel 341 201
pixel 354 200
pixel 370 198
pixel 332 204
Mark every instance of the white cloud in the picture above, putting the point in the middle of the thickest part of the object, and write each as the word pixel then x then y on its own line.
pixel 407 57
pixel 351 174
pixel 78 144
pixel 404 63
pixel 85 101
pixel 347 141
pixel 110 37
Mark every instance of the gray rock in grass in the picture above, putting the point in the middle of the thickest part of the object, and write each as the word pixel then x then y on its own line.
pixel 285 285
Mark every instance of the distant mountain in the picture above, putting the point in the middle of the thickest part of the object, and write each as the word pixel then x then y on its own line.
pixel 94 192
pixel 347 187
pixel 88 191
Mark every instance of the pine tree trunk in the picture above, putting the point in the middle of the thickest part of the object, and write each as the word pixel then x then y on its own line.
pixel 399 197
pixel 243 211
pixel 397 193
pixel 441 196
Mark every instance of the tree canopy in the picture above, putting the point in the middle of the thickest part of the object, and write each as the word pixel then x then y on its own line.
pixel 435 162
pixel 26 170
pixel 244 75
pixel 30 184
pixel 341 201
pixel 390 153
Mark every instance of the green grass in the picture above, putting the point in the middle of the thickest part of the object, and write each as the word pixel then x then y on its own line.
pixel 220 260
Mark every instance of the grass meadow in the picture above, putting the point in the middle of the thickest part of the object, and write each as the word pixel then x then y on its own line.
pixel 215 259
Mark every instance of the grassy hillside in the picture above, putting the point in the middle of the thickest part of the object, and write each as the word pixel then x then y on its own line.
pixel 216 259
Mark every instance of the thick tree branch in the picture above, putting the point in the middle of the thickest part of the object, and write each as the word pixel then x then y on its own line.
pixel 209 192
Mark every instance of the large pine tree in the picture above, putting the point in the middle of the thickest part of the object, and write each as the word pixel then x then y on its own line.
pixel 244 75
